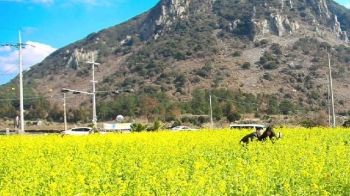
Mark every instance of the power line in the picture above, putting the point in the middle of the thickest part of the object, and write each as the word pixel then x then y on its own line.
pixel 6 71
pixel 234 101
pixel 59 95
pixel 29 98
pixel 40 97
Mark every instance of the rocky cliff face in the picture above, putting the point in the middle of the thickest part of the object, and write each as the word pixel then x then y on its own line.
pixel 337 31
pixel 276 23
pixel 169 11
pixel 79 56
pixel 279 24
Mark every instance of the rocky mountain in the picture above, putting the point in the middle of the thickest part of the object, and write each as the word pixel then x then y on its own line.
pixel 275 47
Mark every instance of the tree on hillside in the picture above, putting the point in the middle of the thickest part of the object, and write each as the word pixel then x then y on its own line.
pixel 229 108
pixel 234 116
pixel 273 105
pixel 56 113
pixel 148 106
pixel 7 110
pixel 286 107
pixel 172 113
pixel 321 119
pixel 39 109
pixel 81 114
pixel 199 103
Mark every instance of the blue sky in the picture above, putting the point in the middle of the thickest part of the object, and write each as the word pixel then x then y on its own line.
pixel 51 24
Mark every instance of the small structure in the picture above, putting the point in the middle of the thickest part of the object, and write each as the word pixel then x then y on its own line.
pixel 37 123
pixel 118 127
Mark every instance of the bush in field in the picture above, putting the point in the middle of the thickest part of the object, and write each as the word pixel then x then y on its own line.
pixel 138 127
pixel 346 123
pixel 157 125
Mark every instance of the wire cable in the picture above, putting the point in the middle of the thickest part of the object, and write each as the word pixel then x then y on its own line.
pixel 234 101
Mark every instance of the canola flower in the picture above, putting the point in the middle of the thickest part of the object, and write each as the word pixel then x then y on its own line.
pixel 207 162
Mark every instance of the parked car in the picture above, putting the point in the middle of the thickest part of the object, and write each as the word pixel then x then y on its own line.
pixel 78 131
pixel 183 128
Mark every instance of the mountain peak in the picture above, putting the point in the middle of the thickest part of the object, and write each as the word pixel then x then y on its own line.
pixel 255 46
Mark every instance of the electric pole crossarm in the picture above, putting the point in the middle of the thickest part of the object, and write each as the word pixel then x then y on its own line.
pixel 125 90
pixel 19 45
pixel 90 62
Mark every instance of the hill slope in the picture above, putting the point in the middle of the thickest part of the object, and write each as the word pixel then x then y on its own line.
pixel 253 46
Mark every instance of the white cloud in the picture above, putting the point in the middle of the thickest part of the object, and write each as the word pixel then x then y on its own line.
pixel 32 54
pixel 5 49
pixel 347 5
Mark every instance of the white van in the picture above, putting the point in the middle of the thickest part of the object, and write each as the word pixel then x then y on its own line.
pixel 246 126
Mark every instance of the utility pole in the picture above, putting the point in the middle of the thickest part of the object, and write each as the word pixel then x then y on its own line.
pixel 328 105
pixel 211 112
pixel 64 111
pixel 331 90
pixel 94 117
pixel 20 45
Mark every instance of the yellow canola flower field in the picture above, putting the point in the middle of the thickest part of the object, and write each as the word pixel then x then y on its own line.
pixel 206 162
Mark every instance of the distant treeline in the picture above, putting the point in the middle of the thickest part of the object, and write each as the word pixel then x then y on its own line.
pixel 225 105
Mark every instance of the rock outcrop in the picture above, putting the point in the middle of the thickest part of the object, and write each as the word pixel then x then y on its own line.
pixel 78 56
pixel 277 25
pixel 337 31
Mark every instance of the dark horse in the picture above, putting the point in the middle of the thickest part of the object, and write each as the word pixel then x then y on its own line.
pixel 269 132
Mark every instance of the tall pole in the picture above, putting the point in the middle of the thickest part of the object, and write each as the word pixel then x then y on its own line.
pixel 21 111
pixel 94 117
pixel 331 90
pixel 94 93
pixel 19 45
pixel 328 105
pixel 211 112
pixel 64 111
